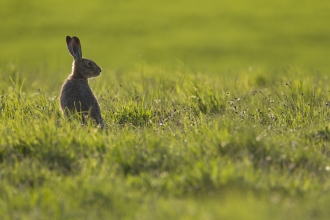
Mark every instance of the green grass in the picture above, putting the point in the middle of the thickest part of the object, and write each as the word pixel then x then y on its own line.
pixel 213 110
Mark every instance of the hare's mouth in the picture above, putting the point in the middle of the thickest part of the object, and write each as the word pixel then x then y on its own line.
pixel 92 74
pixel 96 74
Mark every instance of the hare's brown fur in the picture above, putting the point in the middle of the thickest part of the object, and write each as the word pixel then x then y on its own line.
pixel 76 95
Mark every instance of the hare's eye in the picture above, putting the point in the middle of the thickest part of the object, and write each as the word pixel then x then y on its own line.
pixel 90 64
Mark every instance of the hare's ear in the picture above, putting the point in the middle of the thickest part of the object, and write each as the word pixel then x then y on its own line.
pixel 69 44
pixel 74 47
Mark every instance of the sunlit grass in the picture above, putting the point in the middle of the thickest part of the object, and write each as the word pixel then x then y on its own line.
pixel 184 140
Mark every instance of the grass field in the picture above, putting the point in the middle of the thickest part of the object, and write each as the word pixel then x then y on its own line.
pixel 213 110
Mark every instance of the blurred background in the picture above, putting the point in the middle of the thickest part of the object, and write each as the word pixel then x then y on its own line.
pixel 212 36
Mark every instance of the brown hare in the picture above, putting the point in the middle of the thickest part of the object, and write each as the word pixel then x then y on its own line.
pixel 76 95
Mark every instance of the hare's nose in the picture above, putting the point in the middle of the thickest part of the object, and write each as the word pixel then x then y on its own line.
pixel 100 69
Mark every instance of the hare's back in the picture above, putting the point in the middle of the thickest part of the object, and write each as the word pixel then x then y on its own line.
pixel 77 92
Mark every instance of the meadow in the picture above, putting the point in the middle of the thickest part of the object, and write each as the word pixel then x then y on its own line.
pixel 213 110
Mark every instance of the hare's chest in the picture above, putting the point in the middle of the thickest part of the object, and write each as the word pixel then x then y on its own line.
pixel 76 90
pixel 85 91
